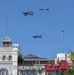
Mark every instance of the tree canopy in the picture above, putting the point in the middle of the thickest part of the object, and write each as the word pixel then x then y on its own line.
pixel 20 57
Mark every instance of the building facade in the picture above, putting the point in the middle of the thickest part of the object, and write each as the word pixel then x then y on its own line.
pixel 32 64
pixel 8 57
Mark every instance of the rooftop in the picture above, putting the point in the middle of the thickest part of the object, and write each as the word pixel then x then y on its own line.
pixel 6 39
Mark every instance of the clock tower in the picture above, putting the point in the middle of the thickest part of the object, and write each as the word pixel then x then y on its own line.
pixel 8 57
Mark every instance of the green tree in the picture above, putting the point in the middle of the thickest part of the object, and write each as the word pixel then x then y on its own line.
pixel 20 56
pixel 70 71
pixel 60 72
pixel 20 59
pixel 58 61
pixel 37 62
pixel 49 61
pixel 71 56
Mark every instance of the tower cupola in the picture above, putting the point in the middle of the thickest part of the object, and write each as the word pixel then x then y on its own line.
pixel 6 42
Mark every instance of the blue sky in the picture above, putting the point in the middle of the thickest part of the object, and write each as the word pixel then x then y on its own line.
pixel 49 24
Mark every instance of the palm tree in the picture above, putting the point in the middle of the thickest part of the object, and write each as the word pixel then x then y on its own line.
pixel 69 51
pixel 71 56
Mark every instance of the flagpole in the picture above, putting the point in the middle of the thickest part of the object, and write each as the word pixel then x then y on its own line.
pixel 62 41
pixel 6 25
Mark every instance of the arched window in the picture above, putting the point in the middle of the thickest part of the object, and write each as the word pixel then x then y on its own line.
pixel 3 72
pixel 10 57
pixel 4 57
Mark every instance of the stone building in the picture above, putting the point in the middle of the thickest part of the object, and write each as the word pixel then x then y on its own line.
pixel 8 57
pixel 33 65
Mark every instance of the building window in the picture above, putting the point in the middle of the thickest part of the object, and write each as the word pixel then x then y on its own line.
pixel 10 57
pixel 4 57
pixel 3 72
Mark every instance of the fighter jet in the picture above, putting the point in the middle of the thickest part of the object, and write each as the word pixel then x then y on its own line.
pixel 28 13
pixel 44 9
pixel 37 36
pixel 41 9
